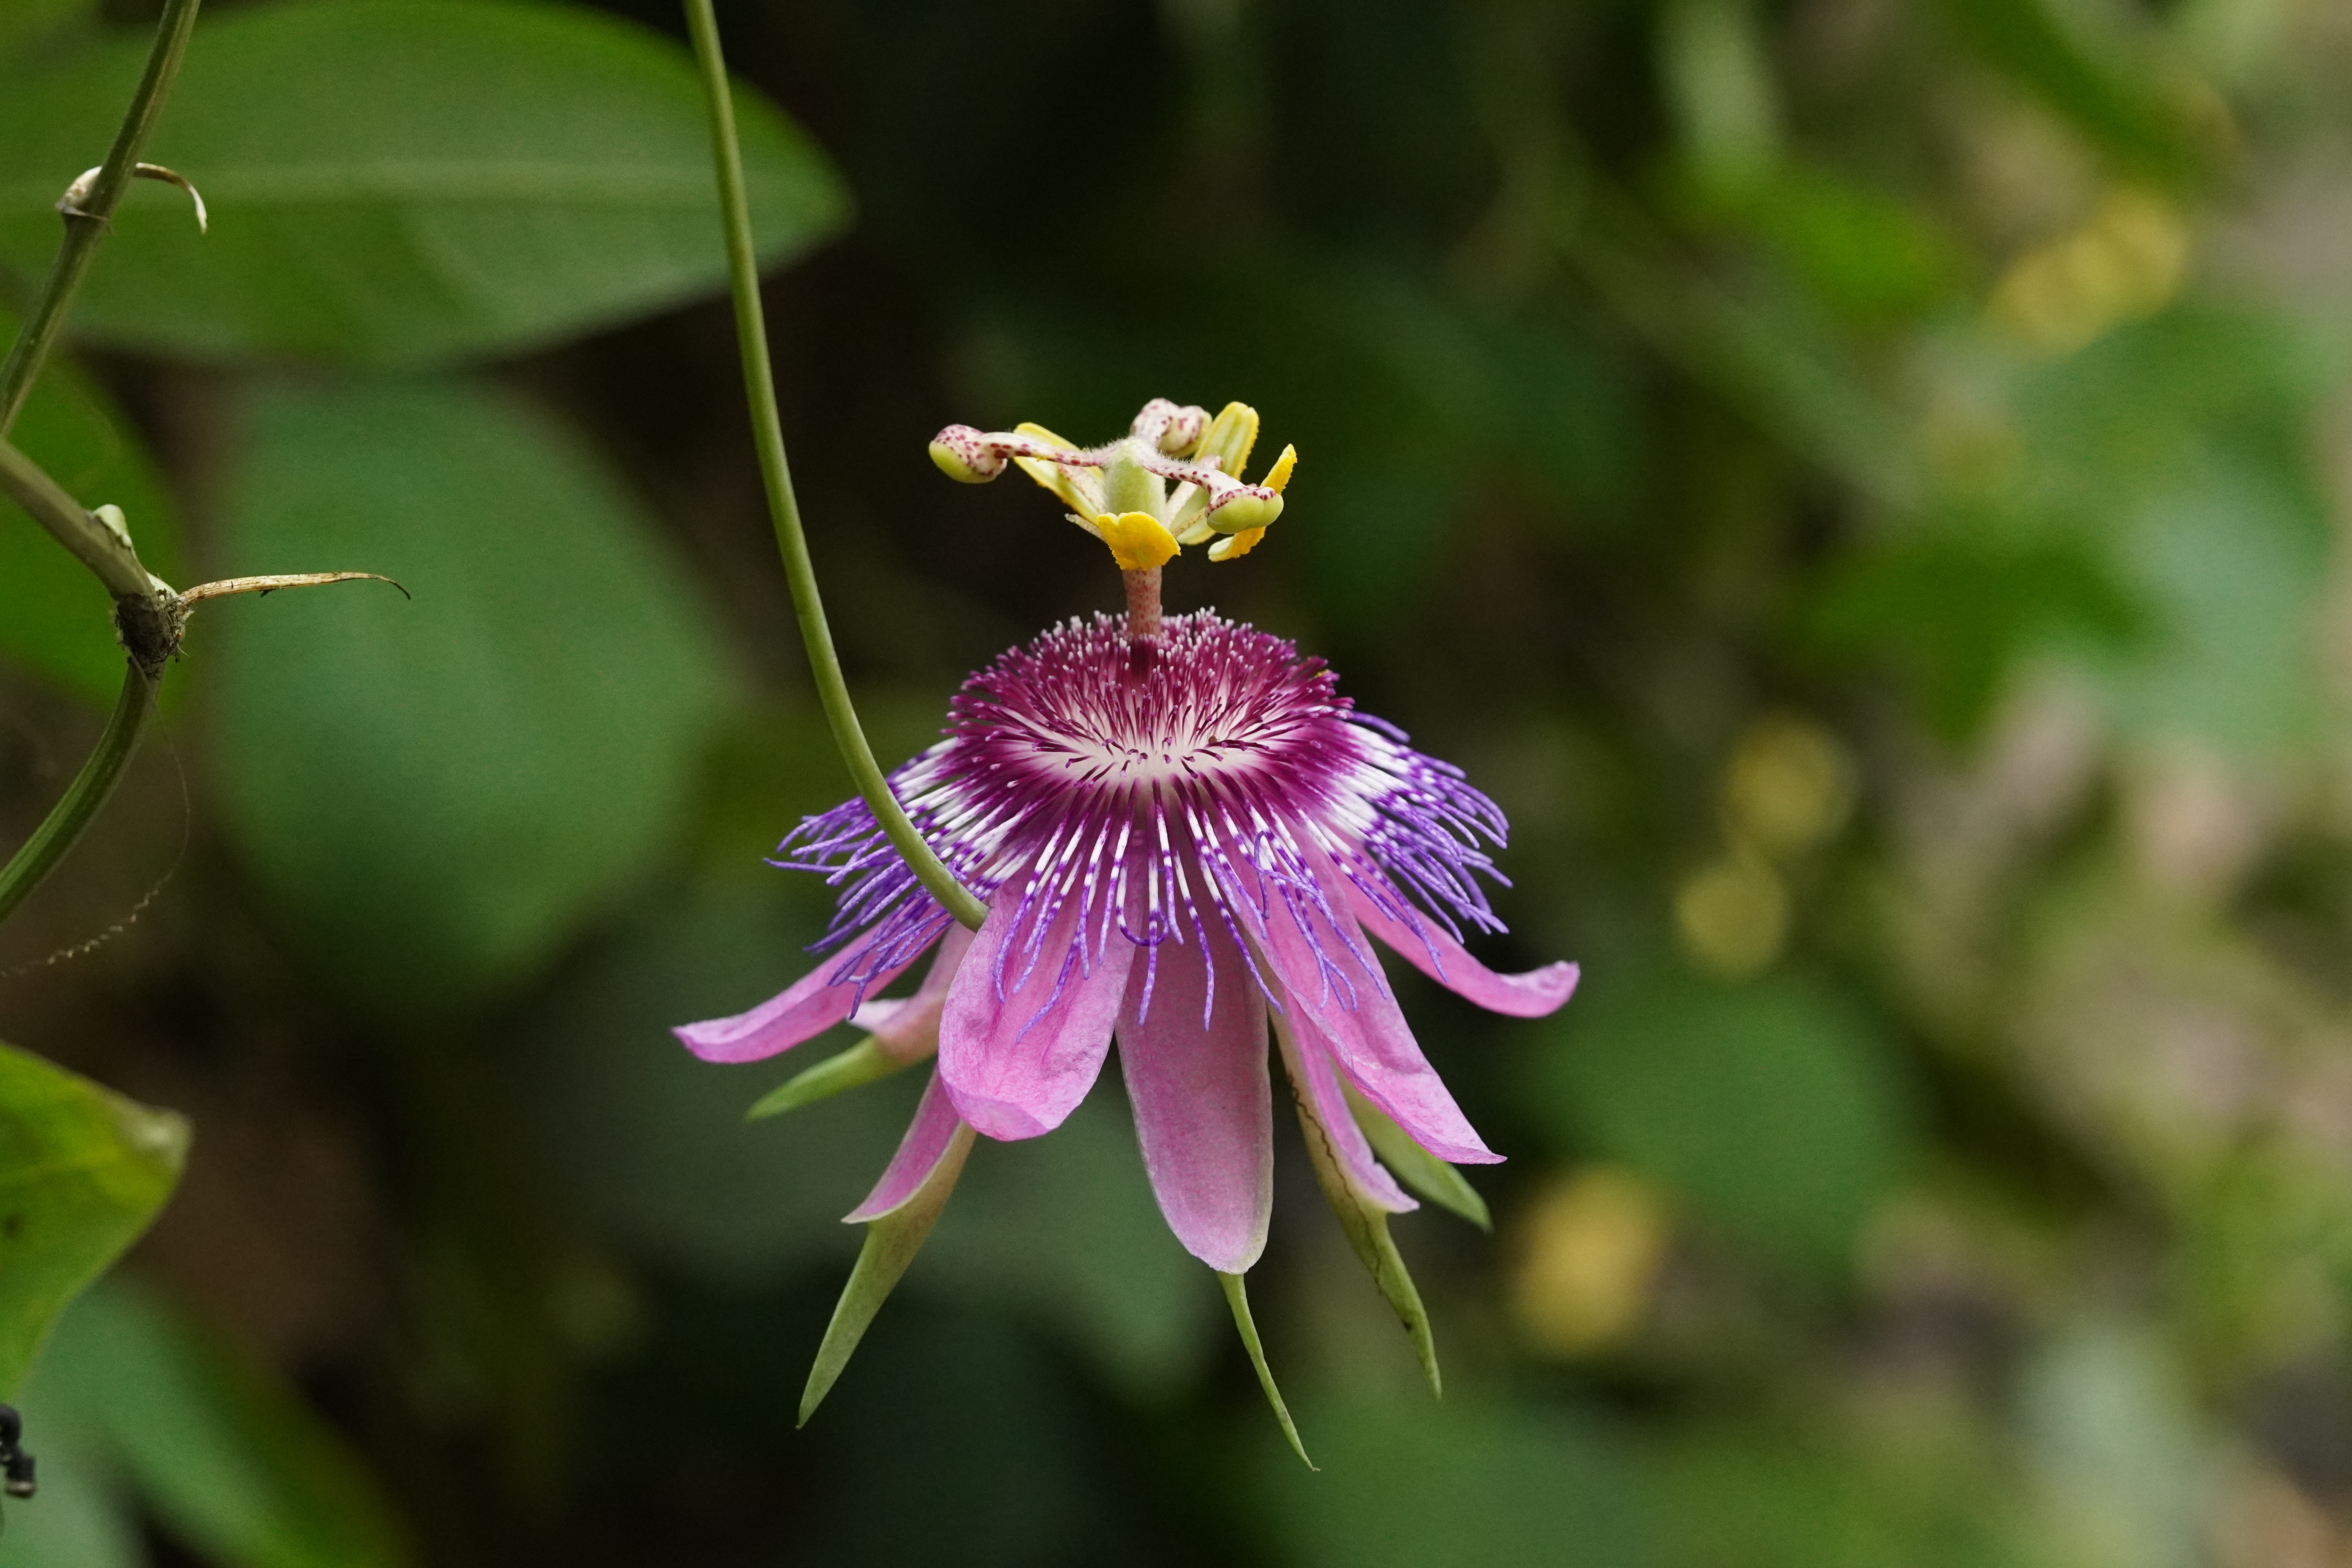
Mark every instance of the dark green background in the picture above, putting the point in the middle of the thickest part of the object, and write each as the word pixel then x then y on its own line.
pixel 1957 387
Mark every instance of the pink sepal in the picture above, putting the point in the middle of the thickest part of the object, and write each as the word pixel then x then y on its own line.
pixel 813 1005
pixel 1017 1064
pixel 1424 944
pixel 1195 1063
pixel 926 1140
pixel 1332 985
pixel 906 1028
pixel 1319 1076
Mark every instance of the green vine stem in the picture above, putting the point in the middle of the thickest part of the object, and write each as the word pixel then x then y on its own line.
pixel 88 219
pixel 108 554
pixel 103 769
pixel 767 430
pixel 147 614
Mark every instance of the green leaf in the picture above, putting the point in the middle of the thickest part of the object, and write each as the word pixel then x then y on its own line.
pixel 55 618
pixel 82 1172
pixel 1768 1106
pixel 218 1449
pixel 1237 1298
pixel 403 181
pixel 891 1243
pixel 1415 1166
pixel 437 793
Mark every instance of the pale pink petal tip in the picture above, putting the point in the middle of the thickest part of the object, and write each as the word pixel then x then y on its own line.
pixel 1421 942
pixel 1203 1110
pixel 813 1005
pixel 927 1138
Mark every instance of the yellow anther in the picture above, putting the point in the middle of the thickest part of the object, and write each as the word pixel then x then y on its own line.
pixel 1229 438
pixel 1279 475
pixel 956 465
pixel 1053 476
pixel 1235 544
pixel 1138 539
pixel 1244 510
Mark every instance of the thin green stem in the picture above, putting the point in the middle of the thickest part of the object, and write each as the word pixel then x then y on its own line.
pixel 88 793
pixel 768 434
pixel 86 225
pixel 109 557
pixel 145 610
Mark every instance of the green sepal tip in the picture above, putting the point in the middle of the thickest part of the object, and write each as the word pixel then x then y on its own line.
pixel 891 1243
pixel 1415 1166
pixel 1237 1298
pixel 1364 1222
pixel 862 1063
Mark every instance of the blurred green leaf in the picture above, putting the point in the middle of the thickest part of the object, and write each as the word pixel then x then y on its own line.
pixel 82 1172
pixel 1770 1498
pixel 1864 253
pixel 2113 105
pixel 28 22
pixel 80 1519
pixel 1462 1484
pixel 401 181
pixel 1768 1106
pixel 437 793
pixel 221 1450
pixel 55 618
pixel 2178 449
pixel 1954 608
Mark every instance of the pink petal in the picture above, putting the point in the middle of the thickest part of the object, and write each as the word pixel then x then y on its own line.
pixel 1424 944
pixel 908 1028
pixel 1203 1111
pixel 813 1005
pixel 1319 1079
pixel 1017 1064
pixel 1332 988
pixel 928 1137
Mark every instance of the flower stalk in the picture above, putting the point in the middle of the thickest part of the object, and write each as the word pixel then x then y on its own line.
pixel 783 505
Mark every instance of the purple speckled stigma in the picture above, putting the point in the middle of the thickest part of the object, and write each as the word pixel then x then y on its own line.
pixel 1205 786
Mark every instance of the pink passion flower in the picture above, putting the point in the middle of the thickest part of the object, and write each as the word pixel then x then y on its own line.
pixel 1184 836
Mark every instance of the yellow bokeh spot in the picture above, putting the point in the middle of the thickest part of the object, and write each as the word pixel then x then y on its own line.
pixel 1138 541
pixel 2127 261
pixel 1235 544
pixel 1592 1246
pixel 1279 475
pixel 1790 787
pixel 1733 917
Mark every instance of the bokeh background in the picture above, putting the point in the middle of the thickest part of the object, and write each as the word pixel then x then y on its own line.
pixel 1859 481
